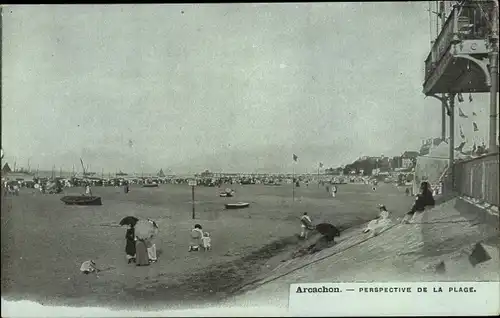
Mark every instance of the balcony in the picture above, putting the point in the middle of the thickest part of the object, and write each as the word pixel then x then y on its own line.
pixel 452 65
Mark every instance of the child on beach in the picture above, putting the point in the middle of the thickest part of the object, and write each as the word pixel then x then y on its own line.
pixel 206 242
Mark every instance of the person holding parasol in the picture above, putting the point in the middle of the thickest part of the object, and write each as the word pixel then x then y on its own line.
pixel 145 230
pixel 130 222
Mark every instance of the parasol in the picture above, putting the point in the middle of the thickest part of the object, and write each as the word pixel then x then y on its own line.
pixel 328 230
pixel 129 220
pixel 145 229
pixel 155 227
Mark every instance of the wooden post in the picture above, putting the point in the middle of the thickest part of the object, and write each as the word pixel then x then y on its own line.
pixel 318 176
pixel 494 80
pixel 192 198
pixel 452 138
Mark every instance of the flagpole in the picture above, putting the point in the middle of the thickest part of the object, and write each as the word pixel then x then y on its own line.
pixel 318 176
pixel 293 184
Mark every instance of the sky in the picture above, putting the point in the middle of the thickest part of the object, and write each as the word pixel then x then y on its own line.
pixel 224 87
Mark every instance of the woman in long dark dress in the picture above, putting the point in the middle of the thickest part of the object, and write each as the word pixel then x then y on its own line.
pixel 424 199
pixel 130 246
pixel 141 249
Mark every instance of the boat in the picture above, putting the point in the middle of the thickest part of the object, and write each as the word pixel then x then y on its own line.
pixel 227 193
pixel 81 200
pixel 238 205
pixel 150 185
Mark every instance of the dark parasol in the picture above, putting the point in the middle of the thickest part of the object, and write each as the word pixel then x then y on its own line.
pixel 129 220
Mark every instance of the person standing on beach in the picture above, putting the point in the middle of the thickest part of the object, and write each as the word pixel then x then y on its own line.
pixel 151 245
pixel 130 246
pixel 141 251
pixel 334 191
pixel 305 225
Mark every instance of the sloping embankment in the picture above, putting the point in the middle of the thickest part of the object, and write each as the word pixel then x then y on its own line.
pixel 404 252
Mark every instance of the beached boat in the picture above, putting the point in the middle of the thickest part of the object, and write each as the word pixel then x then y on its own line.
pixel 238 205
pixel 81 200
pixel 150 185
pixel 227 193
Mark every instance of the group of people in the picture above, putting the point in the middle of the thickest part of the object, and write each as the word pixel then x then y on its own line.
pixel 424 200
pixel 11 188
pixel 140 251
pixel 333 190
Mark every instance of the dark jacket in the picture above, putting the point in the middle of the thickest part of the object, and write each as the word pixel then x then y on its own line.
pixel 422 201
pixel 130 246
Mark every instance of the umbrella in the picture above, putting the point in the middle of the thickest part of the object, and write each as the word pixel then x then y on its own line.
pixel 328 230
pixel 129 220
pixel 145 229
pixel 155 227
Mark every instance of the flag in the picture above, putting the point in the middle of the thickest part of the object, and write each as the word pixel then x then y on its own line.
pixel 295 157
pixel 474 125
pixel 462 132
pixel 474 114
pixel 321 165
pixel 461 113
pixel 461 146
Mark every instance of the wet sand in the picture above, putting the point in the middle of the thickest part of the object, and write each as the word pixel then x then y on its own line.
pixel 44 241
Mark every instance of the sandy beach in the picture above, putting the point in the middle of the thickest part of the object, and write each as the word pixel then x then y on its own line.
pixel 44 242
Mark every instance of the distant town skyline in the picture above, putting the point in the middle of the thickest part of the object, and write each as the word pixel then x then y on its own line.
pixel 224 87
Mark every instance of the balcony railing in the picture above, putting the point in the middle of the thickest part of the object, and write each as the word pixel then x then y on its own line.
pixel 478 178
pixel 464 23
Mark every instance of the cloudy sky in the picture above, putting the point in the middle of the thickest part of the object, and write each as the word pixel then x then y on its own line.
pixel 225 87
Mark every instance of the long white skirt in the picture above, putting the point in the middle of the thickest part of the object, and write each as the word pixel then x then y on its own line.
pixel 152 252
